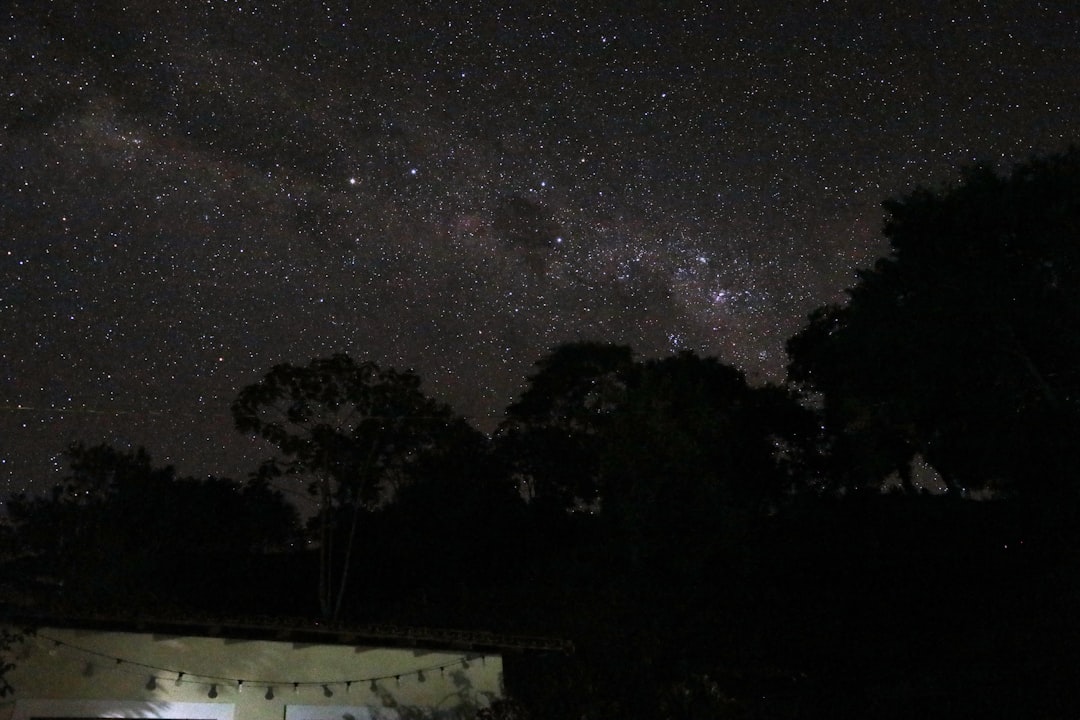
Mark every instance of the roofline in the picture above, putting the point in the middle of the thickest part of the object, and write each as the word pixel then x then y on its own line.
pixel 294 630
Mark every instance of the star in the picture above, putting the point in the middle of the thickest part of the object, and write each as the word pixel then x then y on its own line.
pixel 195 193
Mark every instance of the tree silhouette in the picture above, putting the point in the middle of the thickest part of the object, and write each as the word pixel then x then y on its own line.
pixel 963 344
pixel 551 436
pixel 116 527
pixel 684 462
pixel 596 424
pixel 694 437
pixel 356 432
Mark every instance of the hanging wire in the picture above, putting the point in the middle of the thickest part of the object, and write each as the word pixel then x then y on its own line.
pixel 185 676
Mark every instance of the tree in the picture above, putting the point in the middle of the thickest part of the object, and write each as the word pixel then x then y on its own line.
pixel 356 432
pixel 116 527
pixel 594 424
pixel 963 344
pixel 696 438
pixel 455 541
pixel 551 436
pixel 682 458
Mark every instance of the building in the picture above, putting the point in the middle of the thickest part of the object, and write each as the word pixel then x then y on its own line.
pixel 245 670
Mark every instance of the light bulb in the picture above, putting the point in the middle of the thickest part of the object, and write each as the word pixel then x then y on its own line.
pixel 270 693
pixel 326 691
pixel 213 692
pixel 151 684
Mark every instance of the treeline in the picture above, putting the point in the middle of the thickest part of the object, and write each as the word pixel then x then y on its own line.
pixel 712 548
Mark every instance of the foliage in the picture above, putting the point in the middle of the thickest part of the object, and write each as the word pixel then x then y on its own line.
pixel 700 587
pixel 595 427
pixel 452 540
pixel 551 435
pixel 109 527
pixel 465 703
pixel 9 638
pixel 356 432
pixel 963 345
pixel 692 425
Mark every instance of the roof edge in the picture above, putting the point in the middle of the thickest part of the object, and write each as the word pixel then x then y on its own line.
pixel 296 630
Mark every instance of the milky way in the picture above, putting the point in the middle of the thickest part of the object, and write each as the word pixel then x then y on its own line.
pixel 193 192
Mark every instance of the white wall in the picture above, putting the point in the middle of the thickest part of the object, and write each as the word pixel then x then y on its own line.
pixel 73 665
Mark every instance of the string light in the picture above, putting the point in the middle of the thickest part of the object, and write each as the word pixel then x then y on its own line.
pixel 183 676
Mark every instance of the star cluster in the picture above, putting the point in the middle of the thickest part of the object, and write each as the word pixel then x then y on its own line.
pixel 195 191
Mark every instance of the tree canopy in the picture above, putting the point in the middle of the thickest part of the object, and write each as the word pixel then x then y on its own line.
pixel 700 583
pixel 551 435
pixel 595 424
pixel 649 509
pixel 115 529
pixel 356 432
pixel 963 344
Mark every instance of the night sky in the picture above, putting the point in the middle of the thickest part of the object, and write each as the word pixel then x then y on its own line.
pixel 194 191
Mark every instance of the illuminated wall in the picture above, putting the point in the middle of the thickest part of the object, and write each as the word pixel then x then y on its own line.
pixel 74 674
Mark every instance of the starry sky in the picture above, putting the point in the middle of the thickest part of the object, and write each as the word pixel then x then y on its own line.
pixel 192 192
